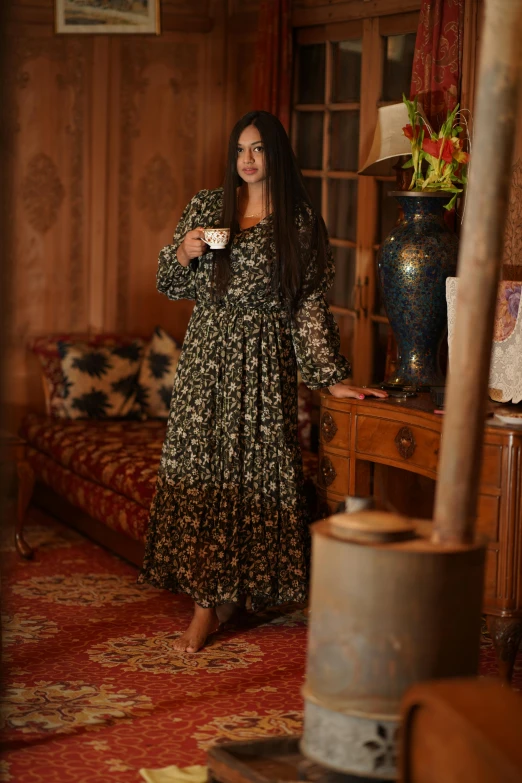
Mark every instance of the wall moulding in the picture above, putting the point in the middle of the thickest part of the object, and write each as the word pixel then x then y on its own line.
pixel 309 12
pixel 185 16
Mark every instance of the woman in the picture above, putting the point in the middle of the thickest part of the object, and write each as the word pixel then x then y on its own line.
pixel 228 518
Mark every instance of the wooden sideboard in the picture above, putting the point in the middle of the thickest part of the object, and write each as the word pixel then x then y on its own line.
pixel 406 435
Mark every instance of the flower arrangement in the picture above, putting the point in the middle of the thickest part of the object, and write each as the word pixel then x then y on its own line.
pixel 438 160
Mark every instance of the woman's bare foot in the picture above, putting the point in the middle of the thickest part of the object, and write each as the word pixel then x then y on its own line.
pixel 203 623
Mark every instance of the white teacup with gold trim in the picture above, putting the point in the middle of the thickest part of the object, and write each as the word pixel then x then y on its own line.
pixel 216 238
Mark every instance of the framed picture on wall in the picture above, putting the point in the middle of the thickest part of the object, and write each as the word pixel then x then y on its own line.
pixel 107 16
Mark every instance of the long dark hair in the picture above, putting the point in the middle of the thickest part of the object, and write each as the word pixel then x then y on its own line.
pixel 292 277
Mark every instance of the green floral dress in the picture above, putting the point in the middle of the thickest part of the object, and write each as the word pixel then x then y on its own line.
pixel 229 515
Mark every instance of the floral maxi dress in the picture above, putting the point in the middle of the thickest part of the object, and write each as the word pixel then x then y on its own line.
pixel 229 517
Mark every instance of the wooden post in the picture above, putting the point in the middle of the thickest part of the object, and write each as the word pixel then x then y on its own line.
pixel 480 260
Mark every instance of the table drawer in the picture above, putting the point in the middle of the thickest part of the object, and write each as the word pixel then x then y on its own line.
pixel 402 443
pixel 333 472
pixel 335 428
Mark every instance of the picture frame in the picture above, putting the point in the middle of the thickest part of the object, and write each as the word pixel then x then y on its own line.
pixel 107 16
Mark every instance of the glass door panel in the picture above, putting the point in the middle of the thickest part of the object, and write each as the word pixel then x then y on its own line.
pixel 380 348
pixel 342 208
pixel 311 73
pixel 346 72
pixel 388 211
pixel 314 187
pixel 341 292
pixel 346 324
pixel 344 141
pixel 397 66
pixel 310 139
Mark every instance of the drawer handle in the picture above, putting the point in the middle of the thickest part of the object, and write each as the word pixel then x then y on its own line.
pixel 327 471
pixel 328 427
pixel 405 442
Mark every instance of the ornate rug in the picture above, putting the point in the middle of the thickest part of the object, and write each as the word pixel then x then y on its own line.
pixel 92 689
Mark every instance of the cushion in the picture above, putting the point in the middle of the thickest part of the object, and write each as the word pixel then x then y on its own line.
pixel 157 373
pixel 100 382
pixel 45 347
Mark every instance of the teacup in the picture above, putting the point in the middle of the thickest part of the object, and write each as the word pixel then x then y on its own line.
pixel 216 238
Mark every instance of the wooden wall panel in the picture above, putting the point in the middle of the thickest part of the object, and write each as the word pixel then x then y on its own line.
pixel 162 128
pixel 110 137
pixel 240 76
pixel 49 138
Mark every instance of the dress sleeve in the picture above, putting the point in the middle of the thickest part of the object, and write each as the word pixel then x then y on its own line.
pixel 173 279
pixel 316 337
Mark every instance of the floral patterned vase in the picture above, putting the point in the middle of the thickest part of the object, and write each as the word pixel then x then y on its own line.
pixel 414 261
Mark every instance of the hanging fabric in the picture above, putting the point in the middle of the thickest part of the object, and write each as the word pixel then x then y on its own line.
pixel 273 61
pixel 437 63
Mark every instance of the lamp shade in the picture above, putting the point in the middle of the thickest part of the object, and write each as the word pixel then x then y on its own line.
pixel 389 141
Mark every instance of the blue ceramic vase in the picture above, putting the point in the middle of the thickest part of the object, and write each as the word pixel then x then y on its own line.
pixel 414 262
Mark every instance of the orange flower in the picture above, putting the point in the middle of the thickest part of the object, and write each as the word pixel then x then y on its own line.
pixel 433 148
pixel 408 131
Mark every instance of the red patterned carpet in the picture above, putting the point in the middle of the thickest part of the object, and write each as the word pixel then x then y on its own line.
pixel 92 689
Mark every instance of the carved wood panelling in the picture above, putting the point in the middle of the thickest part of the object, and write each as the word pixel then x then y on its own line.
pixel 156 193
pixel 240 76
pixel 161 130
pixel 47 107
pixel 236 7
pixel 42 192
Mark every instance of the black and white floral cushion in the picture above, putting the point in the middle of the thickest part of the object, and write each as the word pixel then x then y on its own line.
pixel 157 373
pixel 101 382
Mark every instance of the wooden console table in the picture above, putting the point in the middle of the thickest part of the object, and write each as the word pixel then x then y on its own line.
pixel 406 434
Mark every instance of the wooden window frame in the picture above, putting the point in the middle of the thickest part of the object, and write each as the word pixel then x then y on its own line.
pixel 371 31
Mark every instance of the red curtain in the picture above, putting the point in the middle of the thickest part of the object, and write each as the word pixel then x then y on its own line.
pixel 273 61
pixel 437 63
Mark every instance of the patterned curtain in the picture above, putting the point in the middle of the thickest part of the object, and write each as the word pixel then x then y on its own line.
pixel 273 62
pixel 437 63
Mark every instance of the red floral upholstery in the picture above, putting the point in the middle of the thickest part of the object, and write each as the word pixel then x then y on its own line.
pixel 108 469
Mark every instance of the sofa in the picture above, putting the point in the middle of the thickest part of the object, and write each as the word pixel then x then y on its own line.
pixel 95 454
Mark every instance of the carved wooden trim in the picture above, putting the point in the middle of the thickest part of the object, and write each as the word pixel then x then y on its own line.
pixel 328 427
pixel 513 229
pixel 405 442
pixel 328 472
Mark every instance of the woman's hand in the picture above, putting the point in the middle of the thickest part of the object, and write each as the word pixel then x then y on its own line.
pixel 192 246
pixel 341 390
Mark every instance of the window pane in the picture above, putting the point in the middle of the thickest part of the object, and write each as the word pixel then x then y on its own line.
pixel 346 326
pixel 383 344
pixel 314 188
pixel 388 210
pixel 341 293
pixel 311 75
pixel 345 141
pixel 346 85
pixel 398 62
pixel 310 139
pixel 342 208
